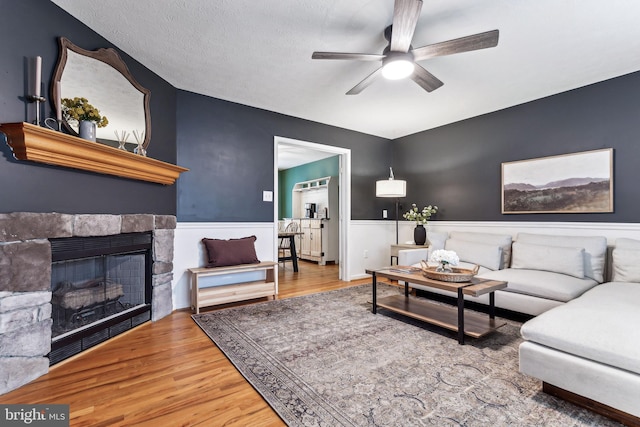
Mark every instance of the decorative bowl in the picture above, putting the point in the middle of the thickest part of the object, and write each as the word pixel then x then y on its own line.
pixel 456 275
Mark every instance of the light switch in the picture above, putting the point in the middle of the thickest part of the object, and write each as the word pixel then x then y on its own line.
pixel 267 196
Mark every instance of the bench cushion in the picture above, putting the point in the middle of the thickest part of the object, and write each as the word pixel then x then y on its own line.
pixel 542 284
pixel 222 253
pixel 599 326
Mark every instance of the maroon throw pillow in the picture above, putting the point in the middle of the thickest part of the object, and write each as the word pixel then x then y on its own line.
pixel 221 253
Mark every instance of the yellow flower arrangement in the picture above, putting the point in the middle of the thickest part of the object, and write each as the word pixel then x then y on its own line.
pixel 79 109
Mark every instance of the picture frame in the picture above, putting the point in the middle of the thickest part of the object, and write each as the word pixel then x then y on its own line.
pixel 568 183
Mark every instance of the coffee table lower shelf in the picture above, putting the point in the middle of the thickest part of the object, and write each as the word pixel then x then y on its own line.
pixel 475 325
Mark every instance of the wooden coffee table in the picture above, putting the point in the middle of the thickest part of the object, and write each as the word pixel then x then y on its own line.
pixel 449 317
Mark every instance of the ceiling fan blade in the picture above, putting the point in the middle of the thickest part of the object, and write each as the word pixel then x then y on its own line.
pixel 365 83
pixel 463 44
pixel 405 18
pixel 339 55
pixel 425 79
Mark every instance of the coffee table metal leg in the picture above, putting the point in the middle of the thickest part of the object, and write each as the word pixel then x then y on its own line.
pixel 460 316
pixel 406 289
pixel 492 305
pixel 373 285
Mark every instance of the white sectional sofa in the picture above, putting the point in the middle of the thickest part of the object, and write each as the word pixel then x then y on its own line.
pixel 584 343
pixel 543 271
pixel 590 347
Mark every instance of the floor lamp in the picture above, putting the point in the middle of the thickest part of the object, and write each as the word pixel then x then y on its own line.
pixel 392 188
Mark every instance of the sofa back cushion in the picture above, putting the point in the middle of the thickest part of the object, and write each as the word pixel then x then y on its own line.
pixel 625 243
pixel 595 249
pixel 569 261
pixel 626 265
pixel 436 240
pixel 502 240
pixel 486 255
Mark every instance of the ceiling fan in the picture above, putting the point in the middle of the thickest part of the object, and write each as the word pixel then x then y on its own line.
pixel 399 57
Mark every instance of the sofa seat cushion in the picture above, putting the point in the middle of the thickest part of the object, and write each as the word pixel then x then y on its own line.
pixel 543 284
pixel 601 326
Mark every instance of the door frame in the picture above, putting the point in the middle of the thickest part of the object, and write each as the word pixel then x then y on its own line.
pixel 344 184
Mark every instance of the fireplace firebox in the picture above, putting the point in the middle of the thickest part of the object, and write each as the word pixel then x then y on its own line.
pixel 101 287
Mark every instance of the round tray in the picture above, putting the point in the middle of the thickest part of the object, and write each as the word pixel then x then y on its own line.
pixel 456 275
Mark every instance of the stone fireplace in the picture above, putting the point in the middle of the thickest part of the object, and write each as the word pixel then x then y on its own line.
pixel 33 286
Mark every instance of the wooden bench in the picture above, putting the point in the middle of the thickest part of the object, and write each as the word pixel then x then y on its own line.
pixel 222 294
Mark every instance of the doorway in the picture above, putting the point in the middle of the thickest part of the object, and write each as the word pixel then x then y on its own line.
pixel 344 185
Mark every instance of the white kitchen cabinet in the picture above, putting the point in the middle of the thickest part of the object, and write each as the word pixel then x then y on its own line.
pixel 319 240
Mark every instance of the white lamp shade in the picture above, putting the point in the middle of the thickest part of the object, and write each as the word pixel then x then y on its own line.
pixel 391 188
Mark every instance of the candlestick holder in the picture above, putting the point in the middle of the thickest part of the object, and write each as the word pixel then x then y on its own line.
pixel 53 124
pixel 38 100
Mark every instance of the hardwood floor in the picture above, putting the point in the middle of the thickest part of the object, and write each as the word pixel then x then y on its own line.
pixel 166 373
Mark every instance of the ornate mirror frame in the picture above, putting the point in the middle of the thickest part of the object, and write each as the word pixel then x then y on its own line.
pixel 110 57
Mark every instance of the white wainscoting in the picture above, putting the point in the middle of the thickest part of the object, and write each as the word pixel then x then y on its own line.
pixel 369 241
pixel 375 237
pixel 189 251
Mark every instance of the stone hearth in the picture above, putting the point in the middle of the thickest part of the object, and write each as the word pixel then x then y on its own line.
pixel 25 280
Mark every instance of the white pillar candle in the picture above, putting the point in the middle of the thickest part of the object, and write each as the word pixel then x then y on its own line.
pixel 37 75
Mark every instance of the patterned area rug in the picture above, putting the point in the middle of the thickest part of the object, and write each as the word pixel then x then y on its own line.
pixel 326 360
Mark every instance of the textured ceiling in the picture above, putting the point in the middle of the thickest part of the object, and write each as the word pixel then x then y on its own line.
pixel 258 53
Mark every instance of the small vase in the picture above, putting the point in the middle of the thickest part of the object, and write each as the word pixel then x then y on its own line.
pixel 87 130
pixel 420 234
pixel 444 267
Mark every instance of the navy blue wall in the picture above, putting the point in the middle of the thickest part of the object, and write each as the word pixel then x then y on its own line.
pixel 29 28
pixel 230 147
pixel 458 167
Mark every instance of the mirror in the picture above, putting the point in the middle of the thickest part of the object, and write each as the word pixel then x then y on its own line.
pixel 105 81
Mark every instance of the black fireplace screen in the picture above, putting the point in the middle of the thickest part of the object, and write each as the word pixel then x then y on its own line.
pixel 101 287
pixel 88 290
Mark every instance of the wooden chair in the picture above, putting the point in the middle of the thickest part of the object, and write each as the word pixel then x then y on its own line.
pixel 284 245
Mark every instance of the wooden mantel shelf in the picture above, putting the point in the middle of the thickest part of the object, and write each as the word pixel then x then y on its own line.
pixel 39 144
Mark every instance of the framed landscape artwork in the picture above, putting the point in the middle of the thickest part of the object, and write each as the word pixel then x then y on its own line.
pixel 569 183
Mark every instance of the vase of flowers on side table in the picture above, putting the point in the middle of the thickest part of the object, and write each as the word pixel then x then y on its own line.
pixel 85 115
pixel 421 217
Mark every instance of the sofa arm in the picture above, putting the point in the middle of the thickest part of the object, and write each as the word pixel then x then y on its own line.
pixel 412 256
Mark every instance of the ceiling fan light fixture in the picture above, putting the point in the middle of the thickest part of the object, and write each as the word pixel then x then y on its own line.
pixel 396 70
pixel 397 65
